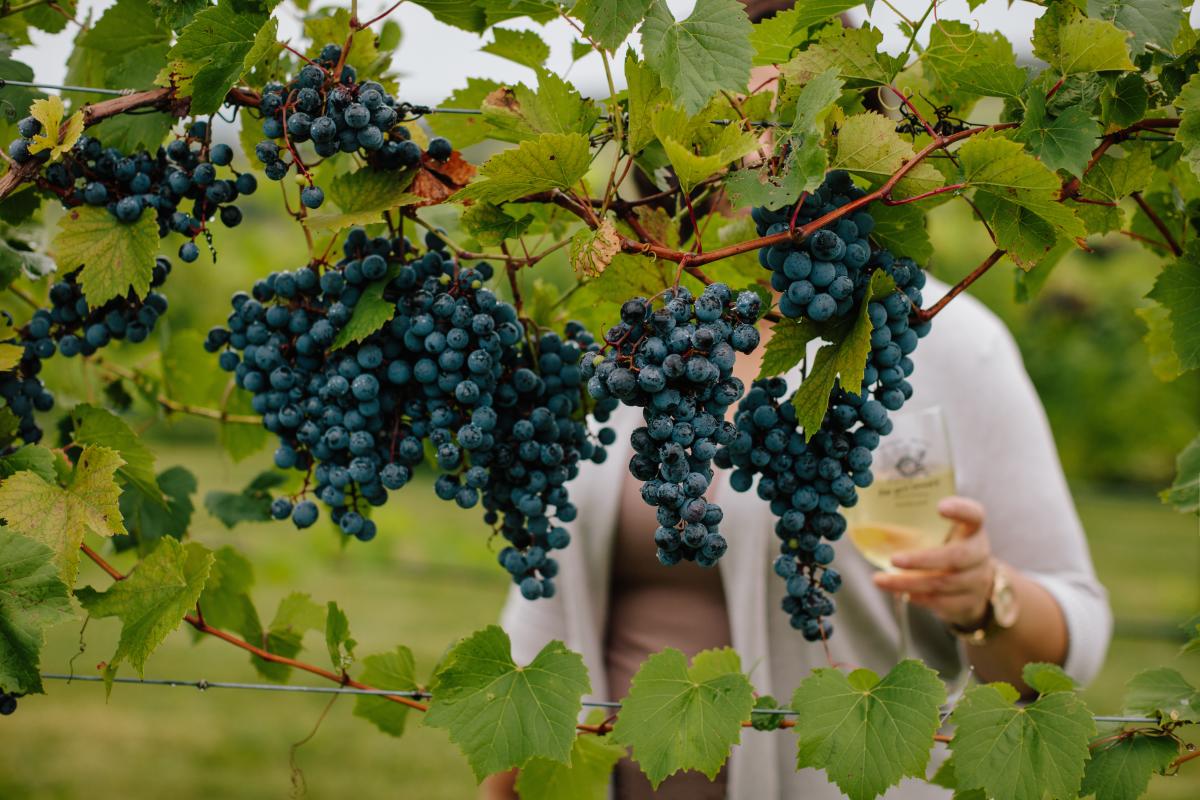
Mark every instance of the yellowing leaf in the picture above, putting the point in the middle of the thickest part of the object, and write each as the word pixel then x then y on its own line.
pixel 112 256
pixel 152 601
pixel 55 137
pixel 593 250
pixel 59 517
pixel 868 146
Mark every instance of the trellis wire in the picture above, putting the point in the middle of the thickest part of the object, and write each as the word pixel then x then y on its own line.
pixel 86 89
pixel 204 685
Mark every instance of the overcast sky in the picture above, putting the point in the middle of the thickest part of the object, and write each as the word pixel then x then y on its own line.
pixel 434 59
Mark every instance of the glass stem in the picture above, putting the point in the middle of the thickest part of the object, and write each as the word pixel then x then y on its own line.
pixel 900 602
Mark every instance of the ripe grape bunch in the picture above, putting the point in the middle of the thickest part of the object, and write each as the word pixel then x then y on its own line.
pixel 676 363
pixel 71 326
pixel 807 479
pixel 8 703
pixel 23 391
pixel 452 369
pixel 324 105
pixel 129 185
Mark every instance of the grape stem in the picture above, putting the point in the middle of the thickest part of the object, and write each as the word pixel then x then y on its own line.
pixel 1158 223
pixel 926 314
pixel 168 403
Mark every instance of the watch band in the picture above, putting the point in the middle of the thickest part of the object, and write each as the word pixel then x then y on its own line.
pixel 1000 613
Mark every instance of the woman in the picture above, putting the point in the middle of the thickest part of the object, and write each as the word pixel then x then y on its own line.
pixel 1014 584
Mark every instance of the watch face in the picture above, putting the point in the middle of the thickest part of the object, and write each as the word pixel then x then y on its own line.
pixel 1004 607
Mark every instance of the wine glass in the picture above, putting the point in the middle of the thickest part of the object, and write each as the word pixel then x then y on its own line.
pixel 898 513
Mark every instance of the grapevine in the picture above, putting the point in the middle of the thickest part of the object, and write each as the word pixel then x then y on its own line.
pixel 471 329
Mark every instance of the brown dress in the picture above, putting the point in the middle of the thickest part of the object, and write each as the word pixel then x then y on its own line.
pixel 652 607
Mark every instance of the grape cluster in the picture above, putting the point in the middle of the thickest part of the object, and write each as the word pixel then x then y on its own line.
pixel 8 703
pixel 676 363
pixel 819 278
pixel 807 479
pixel 71 327
pixel 23 391
pixel 452 372
pixel 338 115
pixel 128 185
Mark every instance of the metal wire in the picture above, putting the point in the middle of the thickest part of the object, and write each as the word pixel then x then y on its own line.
pixel 86 89
pixel 204 685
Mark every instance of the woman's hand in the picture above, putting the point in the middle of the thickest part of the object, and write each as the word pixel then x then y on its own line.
pixel 953 581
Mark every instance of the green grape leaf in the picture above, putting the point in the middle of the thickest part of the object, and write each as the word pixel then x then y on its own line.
pixel 1188 133
pixel 855 53
pixel 1045 678
pixel 371 312
pixel 609 22
pixel 1164 693
pixel 1178 289
pixel 522 47
pixel 464 129
pixel 787 346
pixel 678 136
pixel 1191 628
pixel 97 426
pixel 1020 752
pixel 220 44
pixel 646 97
pixel 677 717
pixel 967 63
pixel 1121 769
pixel 492 225
pixel 551 161
pixel 775 38
pixel 55 137
pixel 1064 142
pixel 1112 179
pixel 815 102
pixel 1025 191
pixel 584 777
pixel 1078 44
pixel 241 441
pixel 177 13
pixel 147 520
pixel 152 601
pixel 115 256
pixel 865 732
pixel 867 145
pixel 502 715
pixel 467 16
pixel 33 458
pixel 699 56
pixel 1164 363
pixel 32 598
pixel 593 249
pixel 337 637
pixel 297 614
pixel 225 601
pixel 521 113
pixel 902 229
pixel 1150 21
pixel 1125 101
pixel 1026 238
pixel 757 187
pixel 845 359
pixel 363 196
pixel 392 670
pixel 59 517
pixel 1184 493
pixel 252 504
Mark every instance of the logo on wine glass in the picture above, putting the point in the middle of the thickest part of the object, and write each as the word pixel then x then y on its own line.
pixel 906 457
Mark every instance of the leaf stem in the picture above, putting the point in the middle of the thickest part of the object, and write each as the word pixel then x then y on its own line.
pixel 1158 223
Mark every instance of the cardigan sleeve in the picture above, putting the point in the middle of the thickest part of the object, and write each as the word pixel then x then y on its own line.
pixel 531 625
pixel 1002 440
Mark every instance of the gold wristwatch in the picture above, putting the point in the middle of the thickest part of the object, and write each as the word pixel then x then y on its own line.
pixel 1001 612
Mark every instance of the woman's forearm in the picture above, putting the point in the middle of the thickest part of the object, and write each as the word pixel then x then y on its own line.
pixel 1039 634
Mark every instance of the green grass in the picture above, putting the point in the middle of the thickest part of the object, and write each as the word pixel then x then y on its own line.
pixel 182 744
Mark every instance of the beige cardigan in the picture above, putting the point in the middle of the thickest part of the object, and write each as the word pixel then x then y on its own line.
pixel 1004 456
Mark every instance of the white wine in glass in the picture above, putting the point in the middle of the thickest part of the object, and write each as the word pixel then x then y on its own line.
pixel 898 513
